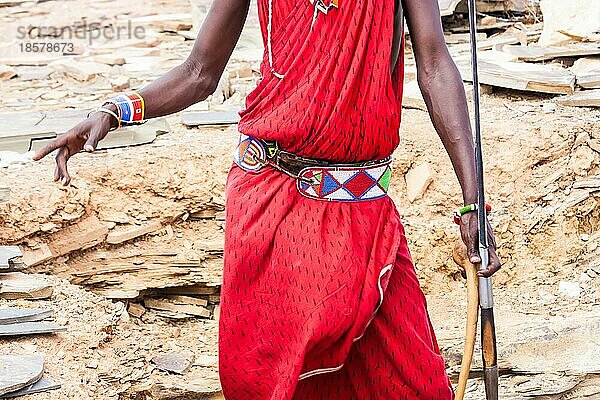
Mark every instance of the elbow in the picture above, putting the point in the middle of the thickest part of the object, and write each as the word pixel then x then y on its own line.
pixel 437 72
pixel 203 81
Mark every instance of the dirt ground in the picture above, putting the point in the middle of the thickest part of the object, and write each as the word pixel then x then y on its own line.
pixel 535 152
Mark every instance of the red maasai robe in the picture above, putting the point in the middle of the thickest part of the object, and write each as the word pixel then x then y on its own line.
pixel 320 299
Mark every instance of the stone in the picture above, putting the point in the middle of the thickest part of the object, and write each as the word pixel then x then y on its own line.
pixel 81 70
pixel 174 310
pixel 109 59
pixel 584 98
pixel 17 285
pixel 82 235
pixel 184 300
pixel 4 194
pixel 418 180
pixel 29 328
pixel 243 71
pixel 8 256
pixel 15 315
pixel 488 20
pixel 203 389
pixel 37 256
pixel 569 289
pixel 34 73
pixel 204 360
pixel 7 72
pixel 174 362
pixel 447 7
pixel 193 119
pixel 217 312
pixel 17 372
pixel 137 310
pixel 120 83
pixel 587 72
pixel 43 385
pixel 130 232
pixel 567 20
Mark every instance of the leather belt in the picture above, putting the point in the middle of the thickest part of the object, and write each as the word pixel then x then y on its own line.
pixel 317 179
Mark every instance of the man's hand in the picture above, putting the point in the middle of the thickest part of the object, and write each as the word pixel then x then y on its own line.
pixel 469 234
pixel 84 135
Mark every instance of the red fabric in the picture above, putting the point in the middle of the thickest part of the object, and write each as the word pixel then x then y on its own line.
pixel 303 278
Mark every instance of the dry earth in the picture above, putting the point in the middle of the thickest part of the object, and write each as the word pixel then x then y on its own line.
pixel 537 154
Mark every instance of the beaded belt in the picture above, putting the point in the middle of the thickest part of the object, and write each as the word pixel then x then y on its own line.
pixel 317 179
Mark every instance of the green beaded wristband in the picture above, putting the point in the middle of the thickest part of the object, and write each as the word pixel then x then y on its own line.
pixel 466 209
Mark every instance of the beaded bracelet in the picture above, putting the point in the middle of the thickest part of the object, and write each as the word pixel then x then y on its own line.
pixel 109 112
pixel 131 108
pixel 467 209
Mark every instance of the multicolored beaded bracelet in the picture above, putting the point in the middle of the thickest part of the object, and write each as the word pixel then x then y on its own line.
pixel 467 209
pixel 130 107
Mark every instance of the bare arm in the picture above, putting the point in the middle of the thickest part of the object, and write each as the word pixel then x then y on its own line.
pixel 444 94
pixel 443 90
pixel 192 81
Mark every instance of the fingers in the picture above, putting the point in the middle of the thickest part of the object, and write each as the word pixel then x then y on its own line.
pixel 472 241
pixel 59 142
pixel 469 233
pixel 493 266
pixel 93 139
pixel 61 174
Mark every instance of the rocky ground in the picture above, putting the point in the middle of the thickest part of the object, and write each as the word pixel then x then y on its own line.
pixel 541 164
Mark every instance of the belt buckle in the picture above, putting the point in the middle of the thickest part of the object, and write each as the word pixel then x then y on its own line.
pixel 250 154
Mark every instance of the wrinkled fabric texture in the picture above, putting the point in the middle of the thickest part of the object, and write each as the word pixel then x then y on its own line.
pixel 320 300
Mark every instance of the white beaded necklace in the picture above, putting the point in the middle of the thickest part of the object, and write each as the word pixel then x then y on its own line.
pixel 319 6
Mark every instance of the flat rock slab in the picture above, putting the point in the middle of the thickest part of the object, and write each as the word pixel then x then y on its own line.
pixel 26 131
pixel 43 385
pixel 585 98
pixel 17 372
pixel 29 328
pixel 8 255
pixel 15 315
pixel 174 362
pixel 17 285
pixel 4 193
pixel 193 119
pixel 543 78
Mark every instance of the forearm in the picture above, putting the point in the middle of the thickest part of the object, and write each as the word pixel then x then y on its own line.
pixel 181 87
pixel 444 94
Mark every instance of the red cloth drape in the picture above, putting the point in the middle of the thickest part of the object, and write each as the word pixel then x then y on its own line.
pixel 304 278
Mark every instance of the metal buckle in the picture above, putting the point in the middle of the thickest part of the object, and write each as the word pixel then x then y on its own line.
pixel 250 154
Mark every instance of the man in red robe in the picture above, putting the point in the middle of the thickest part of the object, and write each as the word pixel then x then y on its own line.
pixel 320 299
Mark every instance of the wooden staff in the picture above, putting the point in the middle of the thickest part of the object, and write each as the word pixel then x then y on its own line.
pixel 486 297
pixel 460 257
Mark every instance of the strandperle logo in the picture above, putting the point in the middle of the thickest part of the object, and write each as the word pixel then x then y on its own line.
pixel 82 31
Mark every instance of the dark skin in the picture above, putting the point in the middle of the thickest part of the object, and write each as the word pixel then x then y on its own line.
pixel 197 77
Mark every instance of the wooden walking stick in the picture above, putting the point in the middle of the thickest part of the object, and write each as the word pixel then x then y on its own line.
pixel 486 298
pixel 460 257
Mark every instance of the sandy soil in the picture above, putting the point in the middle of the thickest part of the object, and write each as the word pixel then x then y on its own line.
pixel 534 150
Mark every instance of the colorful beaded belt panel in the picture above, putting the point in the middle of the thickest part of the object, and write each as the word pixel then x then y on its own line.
pixel 338 183
pixel 348 183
